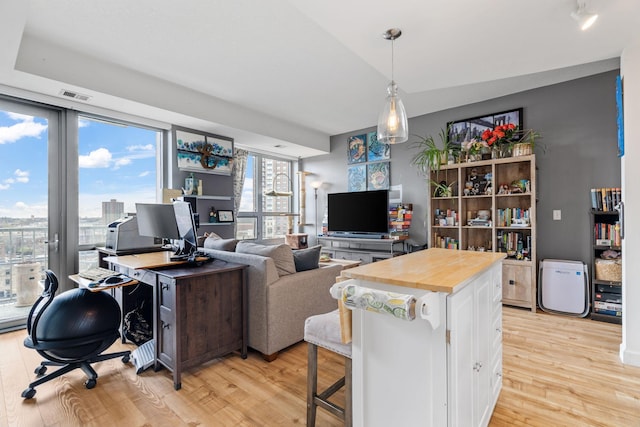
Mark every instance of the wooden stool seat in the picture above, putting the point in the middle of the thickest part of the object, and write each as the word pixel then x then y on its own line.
pixel 324 330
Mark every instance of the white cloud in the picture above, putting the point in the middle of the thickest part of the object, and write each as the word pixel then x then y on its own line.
pixel 19 117
pixel 4 186
pixel 25 128
pixel 147 147
pixel 9 181
pixel 100 158
pixel 24 210
pixel 82 123
pixel 21 176
pixel 123 161
pixel 145 173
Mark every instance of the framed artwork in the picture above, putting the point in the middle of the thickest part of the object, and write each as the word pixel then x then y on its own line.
pixel 468 129
pixel 225 216
pixel 620 116
pixel 357 149
pixel 203 152
pixel 378 176
pixel 357 178
pixel 376 150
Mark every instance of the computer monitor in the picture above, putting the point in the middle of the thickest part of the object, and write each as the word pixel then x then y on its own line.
pixel 186 228
pixel 157 220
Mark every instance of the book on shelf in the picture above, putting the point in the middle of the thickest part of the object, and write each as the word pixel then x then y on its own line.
pixel 609 306
pixel 608 297
pixel 605 199
pixel 608 312
pixel 613 289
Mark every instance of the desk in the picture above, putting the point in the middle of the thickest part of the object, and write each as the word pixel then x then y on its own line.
pixel 199 313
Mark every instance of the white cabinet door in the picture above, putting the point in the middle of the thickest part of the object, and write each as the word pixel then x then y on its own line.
pixel 483 315
pixel 461 357
pixel 471 353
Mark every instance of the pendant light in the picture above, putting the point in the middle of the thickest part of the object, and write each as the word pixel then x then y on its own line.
pixel 392 122
pixel 584 17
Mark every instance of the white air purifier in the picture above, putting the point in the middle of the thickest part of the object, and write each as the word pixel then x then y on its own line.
pixel 563 287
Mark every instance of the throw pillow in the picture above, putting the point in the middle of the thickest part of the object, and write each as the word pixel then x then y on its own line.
pixel 282 255
pixel 307 259
pixel 202 239
pixel 228 245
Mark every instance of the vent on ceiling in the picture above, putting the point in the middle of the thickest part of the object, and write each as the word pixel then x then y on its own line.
pixel 74 95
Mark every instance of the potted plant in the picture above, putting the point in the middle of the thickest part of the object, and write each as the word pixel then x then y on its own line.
pixel 430 156
pixel 442 189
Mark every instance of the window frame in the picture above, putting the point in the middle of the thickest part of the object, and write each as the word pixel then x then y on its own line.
pixel 259 215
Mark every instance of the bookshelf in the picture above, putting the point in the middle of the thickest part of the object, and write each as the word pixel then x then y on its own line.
pixel 606 274
pixel 491 206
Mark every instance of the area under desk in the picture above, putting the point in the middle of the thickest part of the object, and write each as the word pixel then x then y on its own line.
pixel 199 312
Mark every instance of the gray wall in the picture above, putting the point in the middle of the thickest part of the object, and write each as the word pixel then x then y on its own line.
pixel 578 152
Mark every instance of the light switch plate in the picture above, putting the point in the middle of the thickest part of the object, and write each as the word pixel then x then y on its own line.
pixel 557 214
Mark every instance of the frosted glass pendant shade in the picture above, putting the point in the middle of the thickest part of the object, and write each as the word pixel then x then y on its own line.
pixel 392 122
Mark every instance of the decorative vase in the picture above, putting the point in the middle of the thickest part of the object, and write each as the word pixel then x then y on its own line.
pixel 501 151
pixel 474 157
pixel 522 149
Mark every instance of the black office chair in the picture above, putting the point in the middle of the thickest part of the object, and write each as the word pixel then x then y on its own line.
pixel 71 331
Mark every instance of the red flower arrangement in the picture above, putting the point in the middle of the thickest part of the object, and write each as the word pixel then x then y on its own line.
pixel 499 135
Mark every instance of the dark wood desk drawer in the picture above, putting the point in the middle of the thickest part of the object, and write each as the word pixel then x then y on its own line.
pixel 166 292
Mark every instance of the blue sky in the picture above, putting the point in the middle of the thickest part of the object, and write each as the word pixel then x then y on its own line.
pixel 115 163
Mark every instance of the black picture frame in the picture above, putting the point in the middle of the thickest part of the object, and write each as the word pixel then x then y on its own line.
pixel 467 129
pixel 225 216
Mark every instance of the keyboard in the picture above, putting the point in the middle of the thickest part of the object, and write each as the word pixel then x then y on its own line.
pixel 97 273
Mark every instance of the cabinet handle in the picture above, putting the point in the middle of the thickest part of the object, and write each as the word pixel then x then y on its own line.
pixel 512 282
pixel 166 325
pixel 164 287
pixel 498 330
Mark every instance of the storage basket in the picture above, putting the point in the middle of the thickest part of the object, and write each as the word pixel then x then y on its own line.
pixel 609 269
pixel 522 149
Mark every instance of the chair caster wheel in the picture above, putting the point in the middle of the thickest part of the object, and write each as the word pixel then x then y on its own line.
pixel 40 370
pixel 29 393
pixel 125 359
pixel 90 384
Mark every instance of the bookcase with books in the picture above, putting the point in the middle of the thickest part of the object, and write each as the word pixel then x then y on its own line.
pixel 490 205
pixel 606 264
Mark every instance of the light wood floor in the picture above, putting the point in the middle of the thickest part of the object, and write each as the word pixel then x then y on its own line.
pixel 558 371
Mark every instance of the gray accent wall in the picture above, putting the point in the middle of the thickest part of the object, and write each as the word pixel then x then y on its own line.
pixel 578 151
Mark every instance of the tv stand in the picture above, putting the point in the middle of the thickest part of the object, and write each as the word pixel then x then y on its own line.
pixel 364 249
pixel 359 235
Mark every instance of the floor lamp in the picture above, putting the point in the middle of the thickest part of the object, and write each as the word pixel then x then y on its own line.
pixel 316 185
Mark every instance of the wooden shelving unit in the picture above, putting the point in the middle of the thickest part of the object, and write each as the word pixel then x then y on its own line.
pixel 601 282
pixel 456 218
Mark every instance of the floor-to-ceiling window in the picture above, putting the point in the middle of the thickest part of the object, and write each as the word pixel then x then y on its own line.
pixel 64 177
pixel 29 206
pixel 117 167
pixel 266 208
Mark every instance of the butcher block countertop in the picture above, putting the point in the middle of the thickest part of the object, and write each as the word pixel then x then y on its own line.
pixel 435 269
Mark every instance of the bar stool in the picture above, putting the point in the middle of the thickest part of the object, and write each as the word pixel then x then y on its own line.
pixel 324 330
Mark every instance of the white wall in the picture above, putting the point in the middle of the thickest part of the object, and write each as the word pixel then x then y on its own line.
pixel 630 70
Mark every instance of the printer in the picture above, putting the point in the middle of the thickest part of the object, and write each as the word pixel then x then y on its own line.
pixel 122 234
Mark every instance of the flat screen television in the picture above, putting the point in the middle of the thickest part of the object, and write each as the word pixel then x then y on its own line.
pixel 358 214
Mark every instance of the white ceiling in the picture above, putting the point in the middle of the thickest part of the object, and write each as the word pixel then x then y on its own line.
pixel 292 73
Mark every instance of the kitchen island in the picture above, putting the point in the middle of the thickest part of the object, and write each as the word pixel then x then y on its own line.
pixel 444 367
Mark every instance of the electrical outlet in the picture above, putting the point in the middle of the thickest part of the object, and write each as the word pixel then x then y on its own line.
pixel 557 214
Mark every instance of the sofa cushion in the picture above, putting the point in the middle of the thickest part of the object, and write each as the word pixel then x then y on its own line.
pixel 282 255
pixel 220 244
pixel 307 259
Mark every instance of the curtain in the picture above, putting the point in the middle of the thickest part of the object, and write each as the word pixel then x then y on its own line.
pixel 239 169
